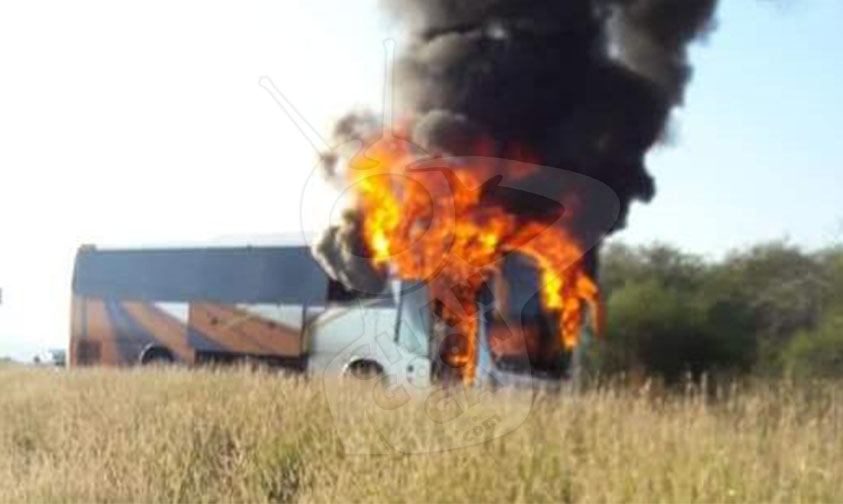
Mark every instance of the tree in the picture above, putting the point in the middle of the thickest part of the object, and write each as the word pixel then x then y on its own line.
pixel 620 264
pixel 668 331
pixel 817 353
pixel 667 317
pixel 759 309
pixel 784 291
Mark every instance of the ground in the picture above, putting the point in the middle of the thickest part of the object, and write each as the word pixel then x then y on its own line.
pixel 241 435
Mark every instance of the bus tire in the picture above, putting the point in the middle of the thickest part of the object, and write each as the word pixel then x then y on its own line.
pixel 156 356
pixel 365 370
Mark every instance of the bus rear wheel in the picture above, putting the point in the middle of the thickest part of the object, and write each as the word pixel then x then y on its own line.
pixel 157 356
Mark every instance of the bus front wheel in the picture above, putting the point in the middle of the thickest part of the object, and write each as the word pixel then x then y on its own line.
pixel 365 370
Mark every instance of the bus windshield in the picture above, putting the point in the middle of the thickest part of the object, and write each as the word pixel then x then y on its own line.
pixel 522 337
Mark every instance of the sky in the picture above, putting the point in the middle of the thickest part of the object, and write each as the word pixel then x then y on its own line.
pixel 143 123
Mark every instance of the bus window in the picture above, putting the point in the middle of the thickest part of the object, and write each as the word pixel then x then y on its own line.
pixel 223 275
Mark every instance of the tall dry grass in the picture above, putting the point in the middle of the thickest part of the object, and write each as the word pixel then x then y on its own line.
pixel 178 435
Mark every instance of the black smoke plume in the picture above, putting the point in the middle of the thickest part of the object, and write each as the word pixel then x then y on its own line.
pixel 586 85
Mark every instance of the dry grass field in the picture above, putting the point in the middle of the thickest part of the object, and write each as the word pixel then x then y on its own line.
pixel 236 435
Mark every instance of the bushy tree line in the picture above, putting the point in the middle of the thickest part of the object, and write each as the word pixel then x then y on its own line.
pixel 772 309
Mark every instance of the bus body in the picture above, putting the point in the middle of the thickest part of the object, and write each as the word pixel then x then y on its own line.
pixel 276 305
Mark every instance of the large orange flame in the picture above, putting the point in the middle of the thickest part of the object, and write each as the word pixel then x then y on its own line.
pixel 433 225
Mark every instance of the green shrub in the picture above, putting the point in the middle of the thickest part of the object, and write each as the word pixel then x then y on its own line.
pixel 817 353
pixel 671 332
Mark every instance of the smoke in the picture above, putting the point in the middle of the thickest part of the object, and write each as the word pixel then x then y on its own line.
pixel 585 85
pixel 342 253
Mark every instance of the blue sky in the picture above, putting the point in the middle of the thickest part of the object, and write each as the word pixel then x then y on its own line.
pixel 758 154
pixel 144 123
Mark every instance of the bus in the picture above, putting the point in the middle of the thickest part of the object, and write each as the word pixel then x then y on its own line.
pixel 275 305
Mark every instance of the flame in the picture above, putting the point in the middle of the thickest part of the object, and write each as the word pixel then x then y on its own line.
pixel 433 225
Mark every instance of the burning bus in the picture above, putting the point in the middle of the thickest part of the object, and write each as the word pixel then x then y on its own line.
pixel 563 100
pixel 275 305
pixel 435 258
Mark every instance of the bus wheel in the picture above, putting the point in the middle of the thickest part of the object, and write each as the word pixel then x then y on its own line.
pixel 157 356
pixel 365 370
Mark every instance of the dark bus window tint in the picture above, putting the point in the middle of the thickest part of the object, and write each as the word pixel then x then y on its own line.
pixel 287 275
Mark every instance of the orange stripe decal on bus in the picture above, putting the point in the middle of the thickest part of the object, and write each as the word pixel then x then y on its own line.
pixel 100 330
pixel 243 332
pixel 275 337
pixel 212 327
